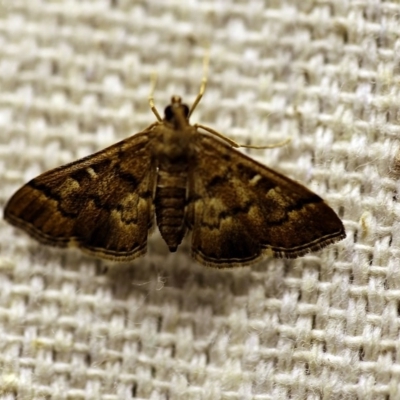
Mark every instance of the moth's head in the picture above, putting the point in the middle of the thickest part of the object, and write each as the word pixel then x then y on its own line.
pixel 176 113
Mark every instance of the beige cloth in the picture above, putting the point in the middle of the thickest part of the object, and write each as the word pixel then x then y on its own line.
pixel 74 78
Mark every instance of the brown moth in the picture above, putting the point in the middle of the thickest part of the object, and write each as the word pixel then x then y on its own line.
pixel 191 178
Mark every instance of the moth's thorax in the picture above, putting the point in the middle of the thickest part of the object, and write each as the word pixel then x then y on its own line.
pixel 172 137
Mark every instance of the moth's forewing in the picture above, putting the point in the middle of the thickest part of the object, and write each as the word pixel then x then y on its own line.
pixel 239 210
pixel 101 203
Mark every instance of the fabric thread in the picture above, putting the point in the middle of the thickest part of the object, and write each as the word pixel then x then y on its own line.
pixel 75 77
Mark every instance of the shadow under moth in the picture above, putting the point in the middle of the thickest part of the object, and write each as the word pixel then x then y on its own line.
pixel 190 178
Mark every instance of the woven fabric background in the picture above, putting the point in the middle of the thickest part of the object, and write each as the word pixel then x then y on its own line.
pixel 74 78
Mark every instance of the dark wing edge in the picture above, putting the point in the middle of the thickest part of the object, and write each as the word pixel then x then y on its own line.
pixel 102 204
pixel 267 251
pixel 241 211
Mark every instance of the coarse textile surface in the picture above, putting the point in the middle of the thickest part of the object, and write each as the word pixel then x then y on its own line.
pixel 75 78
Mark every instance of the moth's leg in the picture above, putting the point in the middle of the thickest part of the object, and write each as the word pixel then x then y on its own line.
pixel 234 144
pixel 153 81
pixel 268 146
pixel 203 83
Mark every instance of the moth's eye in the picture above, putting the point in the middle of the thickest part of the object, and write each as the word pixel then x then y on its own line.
pixel 168 113
pixel 185 109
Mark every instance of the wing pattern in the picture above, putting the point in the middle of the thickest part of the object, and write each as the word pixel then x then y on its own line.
pixel 239 210
pixel 101 203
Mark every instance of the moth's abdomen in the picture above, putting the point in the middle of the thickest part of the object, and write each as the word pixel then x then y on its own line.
pixel 170 203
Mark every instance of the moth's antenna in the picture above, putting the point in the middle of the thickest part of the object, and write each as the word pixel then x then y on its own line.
pixel 153 81
pixel 206 62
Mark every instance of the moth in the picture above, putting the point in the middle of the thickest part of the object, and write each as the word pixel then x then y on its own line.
pixel 188 178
